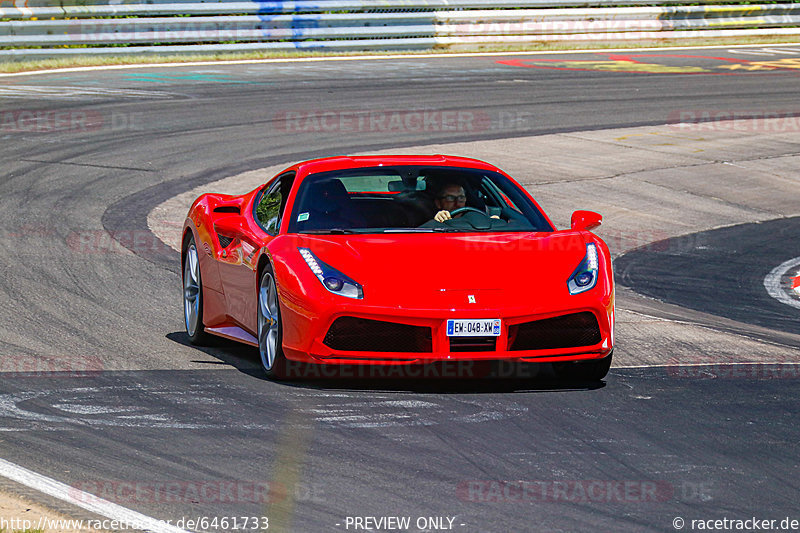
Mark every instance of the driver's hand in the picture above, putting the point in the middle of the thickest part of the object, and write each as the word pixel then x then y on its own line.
pixel 495 216
pixel 442 215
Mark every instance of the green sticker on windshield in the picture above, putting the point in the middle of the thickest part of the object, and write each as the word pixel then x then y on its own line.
pixel 302 217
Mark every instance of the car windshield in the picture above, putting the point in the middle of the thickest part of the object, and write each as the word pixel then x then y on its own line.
pixel 405 199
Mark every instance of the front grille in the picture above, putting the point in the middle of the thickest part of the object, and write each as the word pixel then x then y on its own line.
pixel 568 331
pixel 473 344
pixel 354 334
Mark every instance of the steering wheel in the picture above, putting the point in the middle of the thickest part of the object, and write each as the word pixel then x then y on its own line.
pixel 466 209
pixel 475 224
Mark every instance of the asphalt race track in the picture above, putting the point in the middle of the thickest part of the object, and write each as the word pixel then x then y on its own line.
pixel 100 390
pixel 733 260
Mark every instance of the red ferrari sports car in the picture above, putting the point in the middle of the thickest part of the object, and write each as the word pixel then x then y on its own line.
pixel 397 260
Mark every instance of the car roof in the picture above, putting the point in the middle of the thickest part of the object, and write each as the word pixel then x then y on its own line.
pixel 344 162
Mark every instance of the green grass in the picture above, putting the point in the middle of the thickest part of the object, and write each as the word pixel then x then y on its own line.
pixel 3 530
pixel 70 62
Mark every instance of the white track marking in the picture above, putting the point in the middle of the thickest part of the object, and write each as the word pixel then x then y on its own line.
pixel 748 52
pixel 68 408
pixel 775 51
pixel 765 51
pixel 84 500
pixel 372 58
pixel 773 282
pixel 66 93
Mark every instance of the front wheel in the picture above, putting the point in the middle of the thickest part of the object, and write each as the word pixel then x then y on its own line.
pixel 593 370
pixel 270 332
pixel 193 294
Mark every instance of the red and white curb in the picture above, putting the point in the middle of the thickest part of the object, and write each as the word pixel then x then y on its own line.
pixel 783 283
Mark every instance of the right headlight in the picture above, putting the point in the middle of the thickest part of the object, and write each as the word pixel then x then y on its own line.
pixel 585 276
pixel 333 280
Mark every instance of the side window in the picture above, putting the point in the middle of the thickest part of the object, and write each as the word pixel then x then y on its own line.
pixel 272 202
pixel 268 210
pixel 495 197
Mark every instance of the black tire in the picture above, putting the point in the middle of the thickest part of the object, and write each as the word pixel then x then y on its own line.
pixel 192 284
pixel 594 370
pixel 270 327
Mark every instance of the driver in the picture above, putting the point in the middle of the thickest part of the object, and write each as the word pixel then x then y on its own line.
pixel 451 197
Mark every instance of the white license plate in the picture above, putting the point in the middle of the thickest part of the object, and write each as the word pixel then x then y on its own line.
pixel 479 327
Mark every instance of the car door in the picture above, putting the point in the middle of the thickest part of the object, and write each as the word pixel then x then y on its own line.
pixel 268 209
pixel 238 260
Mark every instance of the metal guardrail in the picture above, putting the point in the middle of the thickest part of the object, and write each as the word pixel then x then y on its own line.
pixel 97 8
pixel 360 24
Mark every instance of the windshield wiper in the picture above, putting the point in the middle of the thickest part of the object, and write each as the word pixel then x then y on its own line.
pixel 331 231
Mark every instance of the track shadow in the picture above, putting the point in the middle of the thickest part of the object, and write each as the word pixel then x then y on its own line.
pixel 227 352
pixel 461 377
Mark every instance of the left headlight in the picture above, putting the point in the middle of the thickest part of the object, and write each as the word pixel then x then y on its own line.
pixel 333 280
pixel 585 276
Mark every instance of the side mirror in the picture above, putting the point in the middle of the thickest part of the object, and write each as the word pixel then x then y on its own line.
pixel 229 226
pixel 586 220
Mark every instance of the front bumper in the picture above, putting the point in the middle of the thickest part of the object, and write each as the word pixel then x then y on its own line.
pixel 308 338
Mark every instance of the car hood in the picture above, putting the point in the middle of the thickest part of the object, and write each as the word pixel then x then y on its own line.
pixel 454 271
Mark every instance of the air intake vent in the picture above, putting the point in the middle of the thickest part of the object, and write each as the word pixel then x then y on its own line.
pixel 224 241
pixel 228 209
pixel 353 334
pixel 568 331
